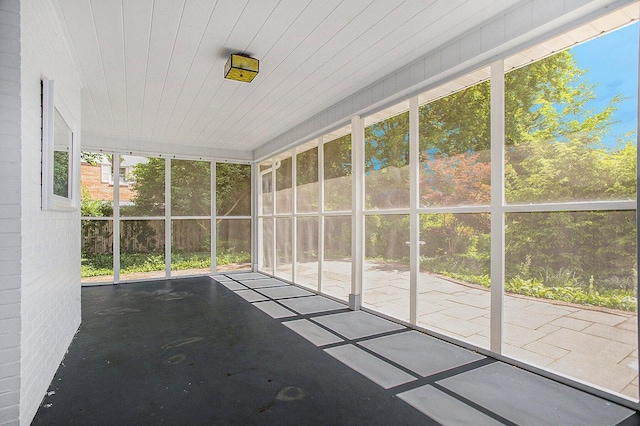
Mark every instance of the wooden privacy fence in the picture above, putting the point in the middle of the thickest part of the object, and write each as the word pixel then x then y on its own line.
pixel 145 236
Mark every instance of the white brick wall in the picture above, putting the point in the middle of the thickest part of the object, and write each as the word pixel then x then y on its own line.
pixel 50 254
pixel 520 27
pixel 10 241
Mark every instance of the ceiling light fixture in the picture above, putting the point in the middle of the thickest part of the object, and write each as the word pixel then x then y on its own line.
pixel 241 68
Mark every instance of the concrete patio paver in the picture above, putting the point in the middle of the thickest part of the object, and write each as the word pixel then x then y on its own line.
pixel 604 318
pixel 551 351
pixel 593 346
pixel 532 357
pixel 572 323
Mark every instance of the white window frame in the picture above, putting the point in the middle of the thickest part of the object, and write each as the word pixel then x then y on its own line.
pixel 52 103
pixel 106 170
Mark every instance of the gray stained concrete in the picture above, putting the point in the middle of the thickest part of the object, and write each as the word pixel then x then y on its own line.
pixel 197 351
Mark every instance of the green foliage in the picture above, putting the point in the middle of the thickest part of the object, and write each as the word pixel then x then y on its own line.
pixel 337 243
pixel 309 173
pixel 599 244
pixel 96 265
pixel 284 177
pixel 148 185
pixel 230 257
pixel 102 264
pixel 337 158
pixel 337 174
pixel 615 299
pixel 555 285
pixel 190 188
pixel 141 262
pixel 386 237
pixel 461 265
pixel 92 207
pixel 457 123
pixel 182 261
pixel 233 189
pixel 61 173
pixel 387 143
pixel 93 158
pixel 555 153
pixel 94 232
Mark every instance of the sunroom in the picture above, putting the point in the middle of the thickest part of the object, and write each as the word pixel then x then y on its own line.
pixel 464 169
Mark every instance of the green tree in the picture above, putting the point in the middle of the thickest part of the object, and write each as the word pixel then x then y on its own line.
pixel 148 185
pixel 337 173
pixel 190 188
pixel 61 173
pixel 544 100
pixel 555 153
pixel 233 189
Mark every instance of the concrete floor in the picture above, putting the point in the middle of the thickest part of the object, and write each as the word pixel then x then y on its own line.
pixel 247 349
pixel 191 352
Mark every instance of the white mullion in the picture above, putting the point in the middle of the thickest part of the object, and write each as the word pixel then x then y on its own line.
pixel 306 214
pixel 386 212
pixel 229 217
pixel 188 217
pixel 124 219
pixel 115 176
pixel 320 213
pixel 414 217
pixel 167 217
pixel 454 209
pixel 571 206
pixel 497 206
pixel 357 208
pixel 294 220
pixel 336 213
pixel 213 232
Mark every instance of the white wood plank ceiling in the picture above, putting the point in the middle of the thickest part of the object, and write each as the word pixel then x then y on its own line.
pixel 152 70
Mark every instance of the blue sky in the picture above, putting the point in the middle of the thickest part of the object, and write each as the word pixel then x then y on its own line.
pixel 612 62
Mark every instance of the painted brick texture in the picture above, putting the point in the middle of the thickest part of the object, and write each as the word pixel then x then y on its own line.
pixel 10 212
pixel 50 240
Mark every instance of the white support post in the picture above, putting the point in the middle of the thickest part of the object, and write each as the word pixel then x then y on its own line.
pixel 115 178
pixel 256 209
pixel 321 212
pixel 414 217
pixel 294 218
pixel 214 219
pixel 167 217
pixel 497 205
pixel 637 216
pixel 274 228
pixel 357 209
